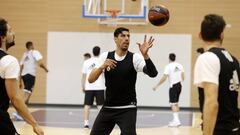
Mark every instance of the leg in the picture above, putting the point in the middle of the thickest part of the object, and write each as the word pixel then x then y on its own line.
pixel 104 123
pixel 29 81
pixel 27 96
pixel 174 98
pixel 86 115
pixel 175 107
pixel 88 102
pixel 99 99
pixel 127 121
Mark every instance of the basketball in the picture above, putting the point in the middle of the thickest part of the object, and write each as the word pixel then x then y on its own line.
pixel 158 15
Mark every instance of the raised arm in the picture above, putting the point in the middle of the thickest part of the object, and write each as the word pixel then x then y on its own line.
pixel 149 68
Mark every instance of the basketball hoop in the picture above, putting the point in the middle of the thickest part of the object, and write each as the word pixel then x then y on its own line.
pixel 112 21
pixel 113 12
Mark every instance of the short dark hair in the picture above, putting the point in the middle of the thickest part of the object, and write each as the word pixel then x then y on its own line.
pixel 200 50
pixel 119 31
pixel 96 50
pixel 28 44
pixel 172 56
pixel 88 55
pixel 3 27
pixel 212 26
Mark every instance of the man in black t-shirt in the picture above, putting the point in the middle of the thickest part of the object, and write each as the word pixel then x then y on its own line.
pixel 218 73
pixel 120 69
pixel 9 73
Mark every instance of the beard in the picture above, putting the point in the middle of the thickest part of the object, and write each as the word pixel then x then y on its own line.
pixel 124 49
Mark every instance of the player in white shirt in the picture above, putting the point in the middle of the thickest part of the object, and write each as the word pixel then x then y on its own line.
pixel 175 74
pixel 28 66
pixel 31 59
pixel 92 90
pixel 9 73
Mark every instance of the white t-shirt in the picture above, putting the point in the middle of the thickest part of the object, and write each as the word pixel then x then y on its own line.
pixel 9 67
pixel 207 69
pixel 174 72
pixel 138 60
pixel 88 65
pixel 29 61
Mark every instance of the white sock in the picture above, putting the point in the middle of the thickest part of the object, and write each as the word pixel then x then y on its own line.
pixel 175 117
pixel 86 122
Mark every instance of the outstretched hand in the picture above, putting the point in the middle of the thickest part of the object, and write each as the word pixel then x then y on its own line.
pixel 144 47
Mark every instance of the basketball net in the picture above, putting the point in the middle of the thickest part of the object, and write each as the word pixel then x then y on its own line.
pixel 112 21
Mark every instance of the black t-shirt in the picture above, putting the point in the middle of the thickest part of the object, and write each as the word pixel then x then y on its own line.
pixel 120 82
pixel 228 113
pixel 4 99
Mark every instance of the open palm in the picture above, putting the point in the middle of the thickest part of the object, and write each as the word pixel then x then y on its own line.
pixel 144 47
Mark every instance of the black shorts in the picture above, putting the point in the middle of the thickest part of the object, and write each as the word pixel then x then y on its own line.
pixel 90 94
pixel 225 132
pixel 29 81
pixel 108 117
pixel 6 125
pixel 174 93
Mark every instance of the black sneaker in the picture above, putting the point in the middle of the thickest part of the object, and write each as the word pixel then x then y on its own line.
pixel 86 126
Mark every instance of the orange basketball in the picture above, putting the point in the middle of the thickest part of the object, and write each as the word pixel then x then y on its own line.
pixel 158 15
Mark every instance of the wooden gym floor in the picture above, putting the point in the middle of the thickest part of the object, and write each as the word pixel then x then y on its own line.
pixel 69 121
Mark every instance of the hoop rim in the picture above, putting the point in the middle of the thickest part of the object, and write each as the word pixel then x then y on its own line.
pixel 113 12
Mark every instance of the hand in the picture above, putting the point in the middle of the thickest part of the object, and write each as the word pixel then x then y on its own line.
pixel 109 64
pixel 144 47
pixel 38 130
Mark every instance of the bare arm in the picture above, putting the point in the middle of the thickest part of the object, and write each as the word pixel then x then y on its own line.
pixel 210 109
pixel 183 76
pixel 18 103
pixel 95 73
pixel 83 80
pixel 162 80
pixel 40 63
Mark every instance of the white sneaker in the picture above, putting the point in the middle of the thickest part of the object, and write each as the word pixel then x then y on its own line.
pixel 174 124
pixel 17 117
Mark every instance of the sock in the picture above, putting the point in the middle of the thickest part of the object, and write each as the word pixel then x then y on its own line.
pixel 86 122
pixel 175 117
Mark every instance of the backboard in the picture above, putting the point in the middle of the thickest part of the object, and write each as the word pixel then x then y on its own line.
pixel 130 12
